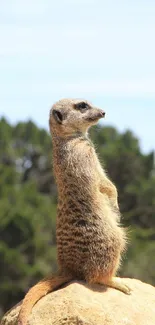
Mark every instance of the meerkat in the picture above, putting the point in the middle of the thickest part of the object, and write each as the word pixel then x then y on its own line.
pixel 90 240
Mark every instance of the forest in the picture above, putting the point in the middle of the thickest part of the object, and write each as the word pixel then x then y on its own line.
pixel 28 198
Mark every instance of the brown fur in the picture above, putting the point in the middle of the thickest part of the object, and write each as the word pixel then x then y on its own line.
pixel 89 237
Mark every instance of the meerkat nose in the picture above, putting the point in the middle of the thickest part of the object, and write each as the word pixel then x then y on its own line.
pixel 102 113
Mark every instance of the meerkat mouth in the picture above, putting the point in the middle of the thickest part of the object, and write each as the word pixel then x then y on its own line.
pixel 92 119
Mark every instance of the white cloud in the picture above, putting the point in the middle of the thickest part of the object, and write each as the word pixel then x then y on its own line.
pixel 114 88
pixel 16 7
pixel 41 40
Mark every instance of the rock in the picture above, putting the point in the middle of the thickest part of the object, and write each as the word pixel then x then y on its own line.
pixel 81 304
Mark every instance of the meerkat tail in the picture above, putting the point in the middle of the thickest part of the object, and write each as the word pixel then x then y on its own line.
pixel 40 290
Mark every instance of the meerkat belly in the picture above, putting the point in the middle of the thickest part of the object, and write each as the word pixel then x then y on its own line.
pixel 85 241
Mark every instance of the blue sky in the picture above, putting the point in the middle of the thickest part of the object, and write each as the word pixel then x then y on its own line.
pixel 103 51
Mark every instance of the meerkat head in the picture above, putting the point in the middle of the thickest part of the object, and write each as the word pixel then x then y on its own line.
pixel 71 116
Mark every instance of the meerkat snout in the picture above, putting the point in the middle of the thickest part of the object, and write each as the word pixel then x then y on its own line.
pixel 100 114
pixel 94 115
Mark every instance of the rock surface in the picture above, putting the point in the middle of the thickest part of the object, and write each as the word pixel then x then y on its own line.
pixel 81 304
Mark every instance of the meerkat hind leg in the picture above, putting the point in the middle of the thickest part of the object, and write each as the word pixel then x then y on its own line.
pixel 117 283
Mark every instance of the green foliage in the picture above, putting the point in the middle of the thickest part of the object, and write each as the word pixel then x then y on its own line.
pixel 28 204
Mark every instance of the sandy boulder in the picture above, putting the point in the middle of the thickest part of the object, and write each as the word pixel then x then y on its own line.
pixel 81 304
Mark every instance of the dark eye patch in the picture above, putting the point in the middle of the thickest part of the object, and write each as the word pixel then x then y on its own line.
pixel 82 106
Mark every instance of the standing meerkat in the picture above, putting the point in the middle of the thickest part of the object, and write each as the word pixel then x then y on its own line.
pixel 89 237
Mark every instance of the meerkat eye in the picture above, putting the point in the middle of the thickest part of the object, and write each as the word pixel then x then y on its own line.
pixel 82 106
pixel 58 116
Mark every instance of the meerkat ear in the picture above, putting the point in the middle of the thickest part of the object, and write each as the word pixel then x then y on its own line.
pixel 58 116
